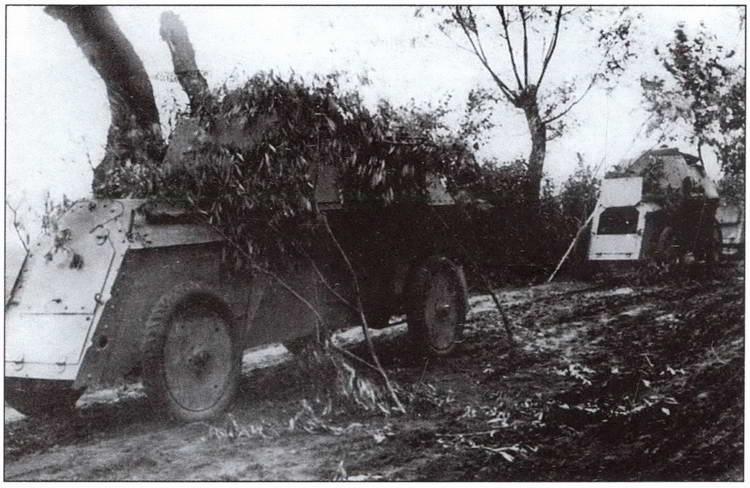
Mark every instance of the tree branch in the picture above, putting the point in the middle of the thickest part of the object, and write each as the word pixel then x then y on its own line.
pixel 360 307
pixel 552 46
pixel 501 11
pixel 473 20
pixel 574 102
pixel 525 47
pixel 455 13
pixel 329 287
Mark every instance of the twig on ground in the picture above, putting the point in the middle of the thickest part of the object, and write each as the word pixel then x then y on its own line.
pixel 424 370
pixel 471 434
pixel 648 360
pixel 354 356
pixel 503 316
pixel 718 359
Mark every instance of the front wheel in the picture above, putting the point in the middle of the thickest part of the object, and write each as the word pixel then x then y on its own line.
pixel 192 356
pixel 438 303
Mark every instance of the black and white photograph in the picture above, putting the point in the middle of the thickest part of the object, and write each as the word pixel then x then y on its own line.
pixel 374 243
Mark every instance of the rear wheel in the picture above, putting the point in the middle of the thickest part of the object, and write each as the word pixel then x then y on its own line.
pixel 437 307
pixel 192 357
pixel 37 398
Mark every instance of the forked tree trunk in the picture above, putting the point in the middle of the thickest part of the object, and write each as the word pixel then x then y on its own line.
pixel 134 135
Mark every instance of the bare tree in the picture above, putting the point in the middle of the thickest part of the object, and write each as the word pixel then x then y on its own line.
pixel 134 135
pixel 521 32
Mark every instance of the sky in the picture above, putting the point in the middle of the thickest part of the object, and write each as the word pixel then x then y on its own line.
pixel 57 112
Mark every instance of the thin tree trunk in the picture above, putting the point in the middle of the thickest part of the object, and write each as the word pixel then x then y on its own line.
pixel 135 132
pixel 174 33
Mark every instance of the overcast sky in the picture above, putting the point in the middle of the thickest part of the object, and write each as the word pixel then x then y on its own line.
pixel 57 112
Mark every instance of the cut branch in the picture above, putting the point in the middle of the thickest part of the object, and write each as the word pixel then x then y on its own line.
pixel 328 286
pixel 174 33
pixel 360 307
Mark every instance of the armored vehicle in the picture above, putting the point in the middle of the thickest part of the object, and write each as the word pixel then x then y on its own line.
pixel 128 289
pixel 660 208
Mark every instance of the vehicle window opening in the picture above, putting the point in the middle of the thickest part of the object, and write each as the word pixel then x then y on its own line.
pixel 618 220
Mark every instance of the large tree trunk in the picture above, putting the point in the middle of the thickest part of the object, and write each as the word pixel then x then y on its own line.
pixel 174 33
pixel 538 131
pixel 134 135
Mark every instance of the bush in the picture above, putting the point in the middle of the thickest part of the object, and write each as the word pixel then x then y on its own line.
pixel 506 235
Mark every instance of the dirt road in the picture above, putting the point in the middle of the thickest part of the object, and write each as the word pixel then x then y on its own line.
pixel 608 381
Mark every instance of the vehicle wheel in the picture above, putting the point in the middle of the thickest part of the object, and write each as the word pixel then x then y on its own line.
pixel 437 307
pixel 38 398
pixel 192 356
